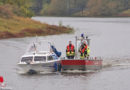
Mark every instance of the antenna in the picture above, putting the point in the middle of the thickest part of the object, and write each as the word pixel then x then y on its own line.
pixel 76 52
pixel 34 47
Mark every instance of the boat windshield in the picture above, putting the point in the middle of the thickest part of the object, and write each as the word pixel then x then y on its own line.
pixel 40 58
pixel 49 58
pixel 26 59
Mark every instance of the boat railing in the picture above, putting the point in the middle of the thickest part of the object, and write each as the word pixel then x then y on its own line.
pixel 94 58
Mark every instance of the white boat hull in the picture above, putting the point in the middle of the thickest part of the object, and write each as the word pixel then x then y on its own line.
pixel 39 67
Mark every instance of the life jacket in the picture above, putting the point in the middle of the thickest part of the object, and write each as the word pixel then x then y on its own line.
pixel 70 48
pixel 82 57
pixel 82 50
pixel 88 50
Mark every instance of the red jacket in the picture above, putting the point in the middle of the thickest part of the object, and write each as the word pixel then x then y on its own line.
pixel 70 48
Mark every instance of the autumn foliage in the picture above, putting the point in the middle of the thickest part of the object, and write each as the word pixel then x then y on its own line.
pixel 87 7
pixel 28 8
pixel 15 22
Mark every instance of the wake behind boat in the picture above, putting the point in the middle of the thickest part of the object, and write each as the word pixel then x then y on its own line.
pixel 40 57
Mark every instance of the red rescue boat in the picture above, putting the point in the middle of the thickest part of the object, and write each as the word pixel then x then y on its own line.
pixel 86 64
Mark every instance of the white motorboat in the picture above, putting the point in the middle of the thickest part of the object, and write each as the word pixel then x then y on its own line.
pixel 40 60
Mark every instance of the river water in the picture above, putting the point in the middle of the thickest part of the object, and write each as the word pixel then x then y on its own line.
pixel 110 39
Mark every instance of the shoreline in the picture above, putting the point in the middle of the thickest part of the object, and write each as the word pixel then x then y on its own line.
pixel 35 32
pixel 19 27
pixel 87 16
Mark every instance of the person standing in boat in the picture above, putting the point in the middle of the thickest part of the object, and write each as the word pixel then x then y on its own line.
pixel 84 50
pixel 70 50
pixel 81 50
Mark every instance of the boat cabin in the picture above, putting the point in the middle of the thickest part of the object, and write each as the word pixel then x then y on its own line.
pixel 39 58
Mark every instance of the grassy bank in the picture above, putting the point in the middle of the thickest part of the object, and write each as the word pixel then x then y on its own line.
pixel 15 26
pixel 21 27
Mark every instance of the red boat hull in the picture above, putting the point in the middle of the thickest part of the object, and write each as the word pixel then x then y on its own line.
pixel 81 64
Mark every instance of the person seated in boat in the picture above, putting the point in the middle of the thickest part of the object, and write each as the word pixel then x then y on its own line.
pixel 70 50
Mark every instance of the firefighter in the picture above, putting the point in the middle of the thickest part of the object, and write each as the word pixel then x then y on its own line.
pixel 70 51
pixel 83 50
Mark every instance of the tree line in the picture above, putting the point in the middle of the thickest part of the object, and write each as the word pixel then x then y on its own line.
pixel 87 7
pixel 68 7
pixel 18 7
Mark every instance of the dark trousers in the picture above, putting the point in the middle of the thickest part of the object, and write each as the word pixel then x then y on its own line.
pixel 85 53
pixel 70 57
